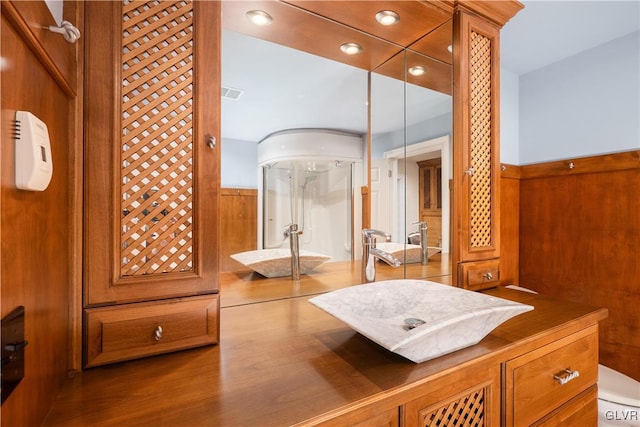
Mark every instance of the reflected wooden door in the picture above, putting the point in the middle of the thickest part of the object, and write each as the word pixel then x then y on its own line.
pixel 430 199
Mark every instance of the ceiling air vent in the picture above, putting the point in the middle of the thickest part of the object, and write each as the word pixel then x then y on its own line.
pixel 231 93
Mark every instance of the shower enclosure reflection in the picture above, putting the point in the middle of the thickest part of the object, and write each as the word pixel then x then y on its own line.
pixel 308 178
pixel 283 82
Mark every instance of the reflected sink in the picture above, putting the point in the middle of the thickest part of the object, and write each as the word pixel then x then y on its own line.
pixel 418 319
pixel 277 262
pixel 413 251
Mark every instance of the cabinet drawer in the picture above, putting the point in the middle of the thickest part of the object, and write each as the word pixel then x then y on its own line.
pixel 581 411
pixel 541 381
pixel 478 275
pixel 130 331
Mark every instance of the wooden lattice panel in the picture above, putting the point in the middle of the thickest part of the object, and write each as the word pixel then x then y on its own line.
pixel 480 151
pixel 157 154
pixel 466 411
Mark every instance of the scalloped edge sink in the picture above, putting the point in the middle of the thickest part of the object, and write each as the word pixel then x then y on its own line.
pixel 453 318
pixel 277 262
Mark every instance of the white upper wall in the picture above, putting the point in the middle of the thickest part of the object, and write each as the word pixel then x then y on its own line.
pixel 586 104
pixel 239 164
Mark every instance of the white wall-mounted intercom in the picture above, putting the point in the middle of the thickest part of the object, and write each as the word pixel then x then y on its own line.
pixel 34 164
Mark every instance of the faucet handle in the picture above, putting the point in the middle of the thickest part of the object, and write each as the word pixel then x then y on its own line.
pixel 369 235
pixel 290 229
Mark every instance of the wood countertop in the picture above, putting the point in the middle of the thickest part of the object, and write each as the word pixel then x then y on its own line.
pixel 247 287
pixel 284 361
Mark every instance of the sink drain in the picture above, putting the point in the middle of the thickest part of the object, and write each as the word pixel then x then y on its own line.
pixel 412 323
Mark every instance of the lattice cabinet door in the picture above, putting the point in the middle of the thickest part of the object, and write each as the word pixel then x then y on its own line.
pixel 476 157
pixel 464 399
pixel 151 165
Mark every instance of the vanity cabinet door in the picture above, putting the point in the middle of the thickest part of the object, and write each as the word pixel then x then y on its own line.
pixel 151 160
pixel 476 150
pixel 467 398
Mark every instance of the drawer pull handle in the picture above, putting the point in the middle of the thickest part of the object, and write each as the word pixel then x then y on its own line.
pixel 565 376
pixel 157 334
pixel 488 275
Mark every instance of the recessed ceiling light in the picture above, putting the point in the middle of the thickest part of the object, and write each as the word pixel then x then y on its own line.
pixel 351 48
pixel 418 70
pixel 259 17
pixel 387 17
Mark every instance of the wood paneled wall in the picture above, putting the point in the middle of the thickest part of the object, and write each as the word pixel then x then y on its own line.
pixel 509 224
pixel 580 240
pixel 40 254
pixel 238 226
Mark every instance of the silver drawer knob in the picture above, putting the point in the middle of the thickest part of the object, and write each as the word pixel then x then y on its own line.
pixel 565 376
pixel 488 275
pixel 157 334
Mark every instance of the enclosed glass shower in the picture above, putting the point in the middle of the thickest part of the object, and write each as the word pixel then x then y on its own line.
pixel 308 179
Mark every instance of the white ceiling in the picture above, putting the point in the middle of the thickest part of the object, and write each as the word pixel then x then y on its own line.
pixel 287 89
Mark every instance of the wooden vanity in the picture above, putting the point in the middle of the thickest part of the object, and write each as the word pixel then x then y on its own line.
pixel 283 361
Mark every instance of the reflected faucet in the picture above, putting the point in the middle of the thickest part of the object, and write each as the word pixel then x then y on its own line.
pixel 424 254
pixel 291 232
pixel 370 253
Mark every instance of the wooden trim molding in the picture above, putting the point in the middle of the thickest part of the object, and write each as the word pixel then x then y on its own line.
pixel 56 55
pixel 510 171
pixel 238 192
pixel 499 12
pixel 366 206
pixel 592 164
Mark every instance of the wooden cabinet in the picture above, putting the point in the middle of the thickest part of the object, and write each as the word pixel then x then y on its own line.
pixel 469 397
pixel 430 199
pixel 476 150
pixel 540 385
pixel 552 385
pixel 151 170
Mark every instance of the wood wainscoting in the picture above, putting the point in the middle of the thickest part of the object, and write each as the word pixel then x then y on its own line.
pixel 238 224
pixel 579 239
pixel 509 224
pixel 41 230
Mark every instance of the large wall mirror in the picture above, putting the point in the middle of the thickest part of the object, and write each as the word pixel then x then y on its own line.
pixel 335 142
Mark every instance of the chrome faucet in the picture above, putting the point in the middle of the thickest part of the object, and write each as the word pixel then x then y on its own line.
pixel 424 254
pixel 291 232
pixel 370 253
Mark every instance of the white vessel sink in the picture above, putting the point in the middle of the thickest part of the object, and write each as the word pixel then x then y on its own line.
pixel 414 252
pixel 453 318
pixel 277 262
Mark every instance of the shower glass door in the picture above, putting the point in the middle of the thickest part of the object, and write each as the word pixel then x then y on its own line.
pixel 316 195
